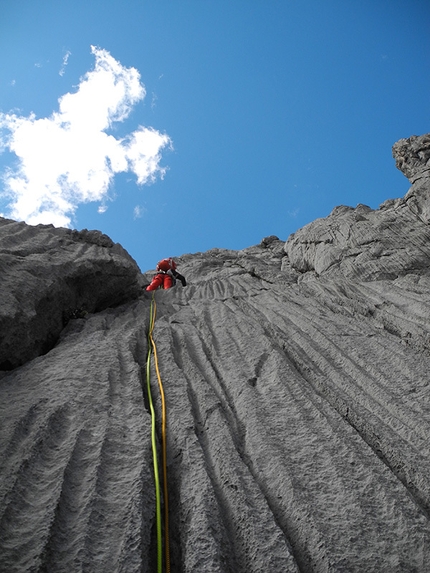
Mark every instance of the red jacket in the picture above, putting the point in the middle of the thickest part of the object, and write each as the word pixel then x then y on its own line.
pixel 167 275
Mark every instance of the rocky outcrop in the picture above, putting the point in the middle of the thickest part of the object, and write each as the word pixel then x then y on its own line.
pixel 370 245
pixel 298 420
pixel 412 156
pixel 49 275
pixel 363 244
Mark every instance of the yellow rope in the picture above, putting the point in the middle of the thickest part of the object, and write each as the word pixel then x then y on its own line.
pixel 163 435
pixel 154 446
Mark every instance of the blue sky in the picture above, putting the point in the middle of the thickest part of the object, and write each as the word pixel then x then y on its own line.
pixel 264 114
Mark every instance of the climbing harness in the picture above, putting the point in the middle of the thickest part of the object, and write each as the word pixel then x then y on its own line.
pixel 153 349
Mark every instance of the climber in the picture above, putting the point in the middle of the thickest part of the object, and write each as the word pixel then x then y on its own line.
pixel 166 275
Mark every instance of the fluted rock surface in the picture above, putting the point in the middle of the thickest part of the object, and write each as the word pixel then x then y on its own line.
pixel 47 276
pixel 298 413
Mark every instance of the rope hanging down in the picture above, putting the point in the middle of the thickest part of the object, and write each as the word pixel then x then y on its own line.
pixel 152 346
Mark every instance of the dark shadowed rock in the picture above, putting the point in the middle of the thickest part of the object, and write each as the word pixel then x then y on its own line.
pixel 298 414
pixel 49 275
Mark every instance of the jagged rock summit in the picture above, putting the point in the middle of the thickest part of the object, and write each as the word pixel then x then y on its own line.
pixel 297 390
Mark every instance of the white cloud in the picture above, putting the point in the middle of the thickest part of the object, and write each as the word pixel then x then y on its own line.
pixel 68 158
pixel 138 212
pixel 153 101
pixel 65 62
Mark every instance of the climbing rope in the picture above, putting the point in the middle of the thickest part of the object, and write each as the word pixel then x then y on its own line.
pixel 152 345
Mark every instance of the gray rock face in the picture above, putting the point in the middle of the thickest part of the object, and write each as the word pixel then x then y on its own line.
pixel 370 245
pixel 296 378
pixel 48 275
pixel 363 244
pixel 412 156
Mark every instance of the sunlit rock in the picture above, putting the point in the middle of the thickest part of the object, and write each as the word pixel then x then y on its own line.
pixel 296 378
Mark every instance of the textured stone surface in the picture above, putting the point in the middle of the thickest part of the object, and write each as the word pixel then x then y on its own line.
pixel 362 243
pixel 298 414
pixel 412 156
pixel 46 275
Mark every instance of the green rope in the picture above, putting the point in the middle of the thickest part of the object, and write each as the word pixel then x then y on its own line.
pixel 163 446
pixel 154 443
